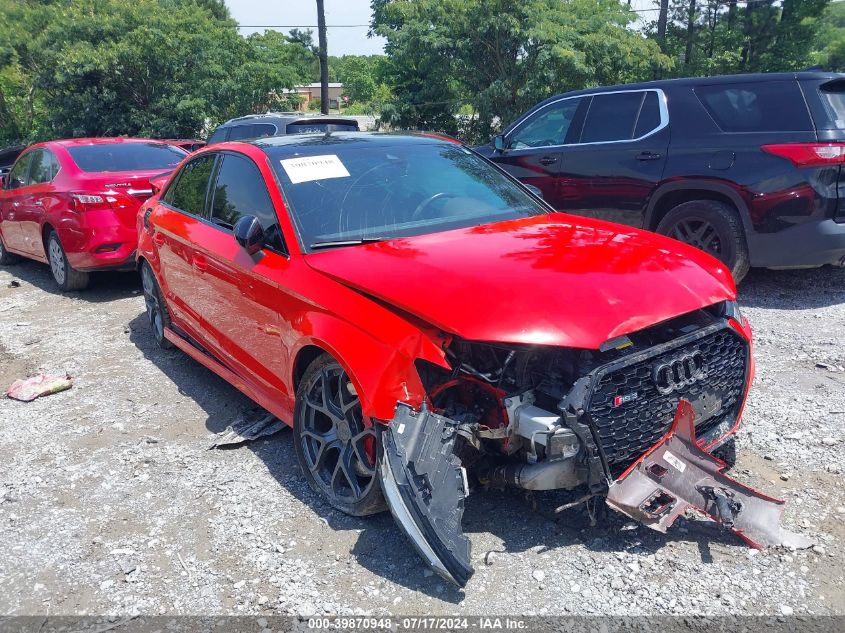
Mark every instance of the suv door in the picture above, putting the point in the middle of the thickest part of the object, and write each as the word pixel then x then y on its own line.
pixel 13 197
pixel 619 157
pixel 249 309
pixel 533 148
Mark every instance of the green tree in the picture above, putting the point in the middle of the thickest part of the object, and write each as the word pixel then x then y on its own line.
pixel 829 50
pixel 501 57
pixel 137 67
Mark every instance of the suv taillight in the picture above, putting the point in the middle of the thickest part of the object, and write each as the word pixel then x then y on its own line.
pixel 809 154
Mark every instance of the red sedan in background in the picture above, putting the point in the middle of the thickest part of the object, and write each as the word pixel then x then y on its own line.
pixel 73 204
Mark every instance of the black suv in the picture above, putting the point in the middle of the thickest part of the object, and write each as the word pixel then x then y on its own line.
pixel 280 124
pixel 746 167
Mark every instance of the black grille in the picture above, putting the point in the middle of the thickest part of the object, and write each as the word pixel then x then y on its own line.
pixel 628 430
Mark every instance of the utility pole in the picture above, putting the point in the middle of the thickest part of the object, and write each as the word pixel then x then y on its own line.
pixel 662 18
pixel 324 58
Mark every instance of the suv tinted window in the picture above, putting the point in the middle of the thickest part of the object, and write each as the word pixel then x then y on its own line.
pixel 253 130
pixel 774 106
pixel 126 156
pixel 17 177
pixel 239 190
pixel 306 127
pixel 188 191
pixel 833 100
pixel 649 119
pixel 220 135
pixel 547 127
pixel 612 117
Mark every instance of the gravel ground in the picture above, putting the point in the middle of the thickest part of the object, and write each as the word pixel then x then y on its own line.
pixel 111 502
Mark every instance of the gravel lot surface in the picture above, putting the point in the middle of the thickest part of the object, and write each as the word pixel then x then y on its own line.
pixel 111 502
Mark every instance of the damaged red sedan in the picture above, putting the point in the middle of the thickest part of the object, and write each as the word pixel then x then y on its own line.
pixel 426 324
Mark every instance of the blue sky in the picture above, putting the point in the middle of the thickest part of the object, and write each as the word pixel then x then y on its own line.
pixel 342 41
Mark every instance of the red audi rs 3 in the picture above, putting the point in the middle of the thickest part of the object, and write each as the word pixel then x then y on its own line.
pixel 426 324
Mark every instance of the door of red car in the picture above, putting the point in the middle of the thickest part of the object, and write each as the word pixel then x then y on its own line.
pixel 533 151
pixel 177 221
pixel 247 318
pixel 13 198
pixel 617 161
pixel 39 200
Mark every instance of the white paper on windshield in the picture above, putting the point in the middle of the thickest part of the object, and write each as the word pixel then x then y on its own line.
pixel 308 168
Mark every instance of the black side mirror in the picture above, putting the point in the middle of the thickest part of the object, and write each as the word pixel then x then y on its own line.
pixel 249 234
pixel 499 142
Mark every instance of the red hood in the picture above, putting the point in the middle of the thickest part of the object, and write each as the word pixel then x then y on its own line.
pixel 551 280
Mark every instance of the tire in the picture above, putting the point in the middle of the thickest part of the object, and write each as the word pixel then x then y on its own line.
pixel 66 277
pixel 7 258
pixel 712 226
pixel 335 445
pixel 156 308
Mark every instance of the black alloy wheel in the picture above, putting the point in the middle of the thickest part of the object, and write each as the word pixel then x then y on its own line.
pixel 335 444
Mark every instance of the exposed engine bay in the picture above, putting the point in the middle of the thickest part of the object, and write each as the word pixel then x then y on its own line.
pixel 548 418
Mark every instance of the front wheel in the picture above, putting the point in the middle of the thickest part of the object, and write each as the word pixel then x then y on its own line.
pixel 713 227
pixel 336 446
pixel 66 277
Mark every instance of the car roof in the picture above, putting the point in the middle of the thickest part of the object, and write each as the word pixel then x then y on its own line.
pixel 105 140
pixel 704 81
pixel 294 143
pixel 285 118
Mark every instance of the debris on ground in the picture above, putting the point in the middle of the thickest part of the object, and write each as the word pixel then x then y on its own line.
pixel 28 389
pixel 249 425
pixel 14 284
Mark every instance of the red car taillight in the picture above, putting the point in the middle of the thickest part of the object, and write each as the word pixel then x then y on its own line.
pixel 809 154
pixel 100 201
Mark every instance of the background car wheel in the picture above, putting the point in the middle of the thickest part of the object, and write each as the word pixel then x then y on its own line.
pixel 66 277
pixel 712 227
pixel 335 444
pixel 156 309
pixel 7 258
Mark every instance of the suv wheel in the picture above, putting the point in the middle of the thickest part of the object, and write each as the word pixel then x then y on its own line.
pixel 7 258
pixel 336 446
pixel 712 227
pixel 66 277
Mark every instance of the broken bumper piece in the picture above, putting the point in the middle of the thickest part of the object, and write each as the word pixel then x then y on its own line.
pixel 425 486
pixel 676 475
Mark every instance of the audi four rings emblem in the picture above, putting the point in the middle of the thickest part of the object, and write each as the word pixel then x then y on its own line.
pixel 679 372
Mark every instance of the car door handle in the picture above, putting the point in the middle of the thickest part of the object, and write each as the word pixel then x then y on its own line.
pixel 199 263
pixel 548 160
pixel 648 156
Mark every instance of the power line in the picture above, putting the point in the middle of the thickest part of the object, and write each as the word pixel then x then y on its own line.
pixel 300 26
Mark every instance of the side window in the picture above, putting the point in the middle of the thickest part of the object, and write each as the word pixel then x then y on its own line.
pixel 547 127
pixel 252 130
pixel 773 106
pixel 41 169
pixel 17 177
pixel 649 119
pixel 220 135
pixel 612 117
pixel 188 191
pixel 240 190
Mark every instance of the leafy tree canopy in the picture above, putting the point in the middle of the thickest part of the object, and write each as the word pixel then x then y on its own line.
pixel 500 57
pixel 165 68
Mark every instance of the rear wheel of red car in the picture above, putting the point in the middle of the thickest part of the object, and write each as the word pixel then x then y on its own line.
pixel 156 309
pixel 335 443
pixel 713 227
pixel 66 277
pixel 7 258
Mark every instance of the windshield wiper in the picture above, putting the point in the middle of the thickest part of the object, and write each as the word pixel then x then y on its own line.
pixel 338 243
